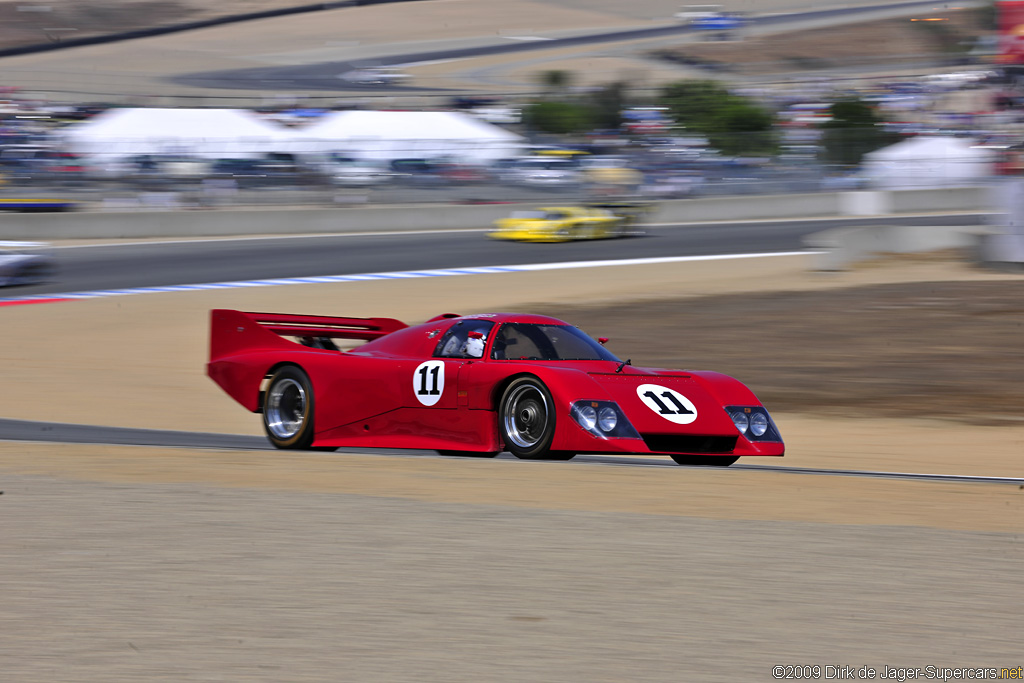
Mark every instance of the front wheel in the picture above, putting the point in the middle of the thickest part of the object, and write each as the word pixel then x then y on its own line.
pixel 706 460
pixel 288 409
pixel 527 420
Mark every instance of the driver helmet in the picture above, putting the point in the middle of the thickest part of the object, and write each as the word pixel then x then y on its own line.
pixel 474 347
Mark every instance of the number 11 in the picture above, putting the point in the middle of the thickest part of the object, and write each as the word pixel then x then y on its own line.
pixel 423 381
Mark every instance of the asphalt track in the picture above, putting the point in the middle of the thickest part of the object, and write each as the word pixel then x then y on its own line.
pixel 157 264
pixel 49 432
pixel 325 76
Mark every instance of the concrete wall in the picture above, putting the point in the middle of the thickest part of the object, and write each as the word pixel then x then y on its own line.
pixel 261 221
pixel 201 223
pixel 738 208
pixel 842 247
pixel 949 199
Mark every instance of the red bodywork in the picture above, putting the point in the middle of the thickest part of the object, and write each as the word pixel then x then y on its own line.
pixel 367 396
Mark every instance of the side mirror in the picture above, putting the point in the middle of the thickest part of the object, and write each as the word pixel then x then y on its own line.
pixel 602 340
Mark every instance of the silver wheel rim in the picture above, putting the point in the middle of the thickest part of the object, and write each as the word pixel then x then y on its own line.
pixel 526 416
pixel 286 408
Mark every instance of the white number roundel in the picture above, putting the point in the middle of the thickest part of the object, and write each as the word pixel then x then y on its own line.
pixel 670 404
pixel 428 382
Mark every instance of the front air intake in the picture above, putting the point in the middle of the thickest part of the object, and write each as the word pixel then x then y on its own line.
pixel 689 443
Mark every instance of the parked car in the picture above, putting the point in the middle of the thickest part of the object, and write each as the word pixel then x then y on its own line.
pixel 543 171
pixel 418 171
pixel 351 172
pixel 266 171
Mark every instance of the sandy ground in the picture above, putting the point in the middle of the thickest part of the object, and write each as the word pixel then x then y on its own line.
pixel 138 71
pixel 677 492
pixel 133 581
pixel 131 563
pixel 140 67
pixel 138 361
pixel 891 43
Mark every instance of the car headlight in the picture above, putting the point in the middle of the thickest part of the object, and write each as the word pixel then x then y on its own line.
pixel 740 420
pixel 607 419
pixel 587 418
pixel 754 423
pixel 603 419
pixel 758 424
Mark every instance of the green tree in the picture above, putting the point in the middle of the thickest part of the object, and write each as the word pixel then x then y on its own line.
pixel 555 81
pixel 607 104
pixel 733 124
pixel 744 129
pixel 855 130
pixel 694 103
pixel 559 118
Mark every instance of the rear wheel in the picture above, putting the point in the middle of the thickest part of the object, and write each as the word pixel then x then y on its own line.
pixel 288 409
pixel 527 420
pixel 706 460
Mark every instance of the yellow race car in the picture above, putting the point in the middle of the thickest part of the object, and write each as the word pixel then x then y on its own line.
pixel 570 223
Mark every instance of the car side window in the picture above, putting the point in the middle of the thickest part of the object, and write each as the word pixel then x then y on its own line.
pixel 458 343
pixel 515 342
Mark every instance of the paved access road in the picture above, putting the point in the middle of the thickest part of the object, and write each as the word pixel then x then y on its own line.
pixel 325 76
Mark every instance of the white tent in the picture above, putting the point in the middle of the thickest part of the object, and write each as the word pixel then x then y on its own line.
pixel 385 135
pixel 205 133
pixel 927 161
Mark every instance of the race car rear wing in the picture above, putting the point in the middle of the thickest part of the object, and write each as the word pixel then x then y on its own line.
pixel 327 326
pixel 232 330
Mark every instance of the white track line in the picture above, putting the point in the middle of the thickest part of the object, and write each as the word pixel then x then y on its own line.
pixel 400 275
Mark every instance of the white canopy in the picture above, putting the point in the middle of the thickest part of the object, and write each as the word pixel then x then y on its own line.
pixel 205 133
pixel 389 135
pixel 927 161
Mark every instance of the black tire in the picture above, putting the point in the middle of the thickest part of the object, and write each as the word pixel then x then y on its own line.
pixel 526 418
pixel 470 454
pixel 558 455
pixel 288 409
pixel 706 460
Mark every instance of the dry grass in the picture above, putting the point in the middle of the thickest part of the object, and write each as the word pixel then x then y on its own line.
pixel 943 349
pixel 72 19
pixel 888 41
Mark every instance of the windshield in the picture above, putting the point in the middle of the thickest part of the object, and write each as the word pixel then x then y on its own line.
pixel 519 341
pixel 529 215
pixel 539 215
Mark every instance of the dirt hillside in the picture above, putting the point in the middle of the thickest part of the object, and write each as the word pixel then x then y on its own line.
pixel 939 349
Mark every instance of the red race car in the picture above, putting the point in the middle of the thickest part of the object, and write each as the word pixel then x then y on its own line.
pixel 476 385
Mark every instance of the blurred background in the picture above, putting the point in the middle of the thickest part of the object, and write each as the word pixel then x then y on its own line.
pixel 365 146
pixel 659 101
